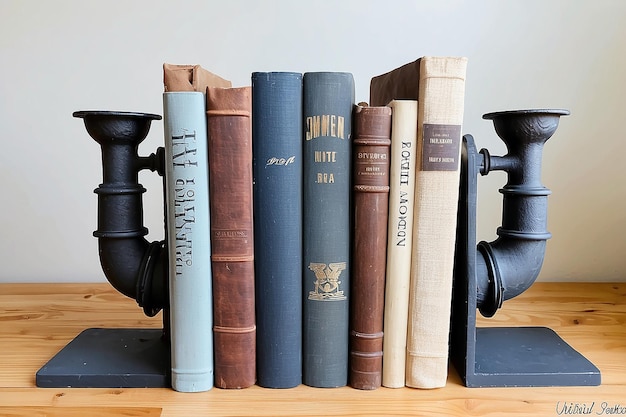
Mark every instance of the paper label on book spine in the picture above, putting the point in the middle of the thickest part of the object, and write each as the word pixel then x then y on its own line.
pixel 441 147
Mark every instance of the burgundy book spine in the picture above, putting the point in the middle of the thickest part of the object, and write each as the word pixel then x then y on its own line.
pixel 232 244
pixel 371 154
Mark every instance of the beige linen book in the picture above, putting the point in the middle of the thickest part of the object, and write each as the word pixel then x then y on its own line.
pixel 439 85
pixel 399 240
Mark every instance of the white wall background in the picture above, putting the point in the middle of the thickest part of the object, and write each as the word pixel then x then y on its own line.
pixel 66 55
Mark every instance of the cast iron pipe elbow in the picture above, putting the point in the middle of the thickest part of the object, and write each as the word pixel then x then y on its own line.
pixel 506 268
pixel 509 265
pixel 133 266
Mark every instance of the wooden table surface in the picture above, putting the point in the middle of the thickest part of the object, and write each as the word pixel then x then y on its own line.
pixel 37 320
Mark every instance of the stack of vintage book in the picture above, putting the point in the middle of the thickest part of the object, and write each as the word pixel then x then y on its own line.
pixel 311 239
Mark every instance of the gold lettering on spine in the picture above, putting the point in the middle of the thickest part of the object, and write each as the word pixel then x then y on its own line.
pixel 326 125
pixel 325 178
pixel 340 127
pixel 325 156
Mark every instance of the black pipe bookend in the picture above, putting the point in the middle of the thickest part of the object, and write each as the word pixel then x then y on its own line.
pixel 121 358
pixel 488 273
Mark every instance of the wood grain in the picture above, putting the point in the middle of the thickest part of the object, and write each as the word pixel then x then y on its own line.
pixel 38 320
pixel 79 412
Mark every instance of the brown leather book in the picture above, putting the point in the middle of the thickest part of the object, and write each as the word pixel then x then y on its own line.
pixel 232 244
pixel 371 154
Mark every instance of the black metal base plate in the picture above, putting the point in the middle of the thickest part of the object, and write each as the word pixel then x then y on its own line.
pixel 528 356
pixel 110 358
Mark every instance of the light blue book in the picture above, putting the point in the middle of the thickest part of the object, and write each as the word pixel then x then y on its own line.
pixel 188 240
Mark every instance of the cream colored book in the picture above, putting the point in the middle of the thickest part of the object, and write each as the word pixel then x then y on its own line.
pixel 439 85
pixel 399 239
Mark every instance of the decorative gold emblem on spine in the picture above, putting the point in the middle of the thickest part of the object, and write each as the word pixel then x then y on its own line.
pixel 327 281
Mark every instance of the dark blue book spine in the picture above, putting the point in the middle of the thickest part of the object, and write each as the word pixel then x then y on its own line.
pixel 327 125
pixel 277 197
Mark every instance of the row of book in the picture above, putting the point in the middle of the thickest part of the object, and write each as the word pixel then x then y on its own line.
pixel 311 239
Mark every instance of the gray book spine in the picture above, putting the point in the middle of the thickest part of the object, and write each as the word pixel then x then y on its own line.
pixel 327 124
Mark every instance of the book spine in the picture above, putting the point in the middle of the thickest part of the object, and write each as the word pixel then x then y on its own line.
pixel 232 239
pixel 277 169
pixel 399 242
pixel 187 221
pixel 328 99
pixel 371 158
pixel 440 116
